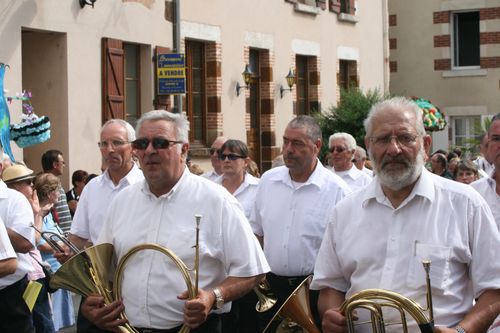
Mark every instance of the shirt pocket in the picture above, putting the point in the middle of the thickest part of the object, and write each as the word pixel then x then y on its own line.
pixel 439 257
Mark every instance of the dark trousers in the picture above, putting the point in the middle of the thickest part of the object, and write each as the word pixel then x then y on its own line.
pixel 243 317
pixel 15 316
pixel 211 325
pixel 283 287
pixel 42 316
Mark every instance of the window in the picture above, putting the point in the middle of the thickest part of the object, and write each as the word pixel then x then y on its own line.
pixel 466 39
pixel 466 130
pixel 302 85
pixel 132 83
pixel 347 6
pixel 348 74
pixel 195 92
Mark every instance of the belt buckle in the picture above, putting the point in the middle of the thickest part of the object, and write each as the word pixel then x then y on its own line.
pixel 291 281
pixel 147 331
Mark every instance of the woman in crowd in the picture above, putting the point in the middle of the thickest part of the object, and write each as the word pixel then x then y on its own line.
pixel 47 187
pixel 466 172
pixel 78 179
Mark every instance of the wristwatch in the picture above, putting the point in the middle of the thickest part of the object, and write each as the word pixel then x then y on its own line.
pixel 460 329
pixel 219 300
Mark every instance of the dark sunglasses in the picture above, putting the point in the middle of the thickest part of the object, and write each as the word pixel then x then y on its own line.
pixel 231 157
pixel 158 143
pixel 338 149
pixel 214 150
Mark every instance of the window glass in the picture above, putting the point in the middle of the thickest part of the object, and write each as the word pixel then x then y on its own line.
pixel 466 39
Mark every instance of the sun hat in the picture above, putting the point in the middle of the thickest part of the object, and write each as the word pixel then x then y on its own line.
pixel 16 173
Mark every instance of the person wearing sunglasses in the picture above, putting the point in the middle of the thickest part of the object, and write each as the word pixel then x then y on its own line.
pixel 243 186
pixel 214 159
pixel 161 209
pixel 290 211
pixel 342 147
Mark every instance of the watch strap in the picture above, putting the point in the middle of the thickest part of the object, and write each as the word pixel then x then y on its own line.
pixel 219 299
pixel 460 329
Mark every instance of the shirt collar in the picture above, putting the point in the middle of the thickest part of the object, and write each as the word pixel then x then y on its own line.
pixel 353 173
pixel 128 177
pixel 184 178
pixel 424 187
pixel 316 178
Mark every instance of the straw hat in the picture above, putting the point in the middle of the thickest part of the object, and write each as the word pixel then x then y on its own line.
pixel 16 173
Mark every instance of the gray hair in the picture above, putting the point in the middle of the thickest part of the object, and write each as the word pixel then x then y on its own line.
pixel 313 130
pixel 395 103
pixel 495 118
pixel 361 152
pixel 348 139
pixel 125 125
pixel 181 124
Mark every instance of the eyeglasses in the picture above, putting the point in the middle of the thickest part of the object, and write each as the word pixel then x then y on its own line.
pixel 214 150
pixel 112 143
pixel 495 138
pixel 231 157
pixel 338 149
pixel 405 139
pixel 28 182
pixel 158 143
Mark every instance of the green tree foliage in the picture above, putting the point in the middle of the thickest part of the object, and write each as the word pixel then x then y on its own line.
pixel 348 115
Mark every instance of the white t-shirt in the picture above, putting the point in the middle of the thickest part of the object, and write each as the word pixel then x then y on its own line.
pixel 151 281
pixel 94 202
pixel 369 244
pixel 292 220
pixel 16 213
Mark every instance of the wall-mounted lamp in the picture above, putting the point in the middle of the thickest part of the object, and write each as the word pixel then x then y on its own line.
pixel 87 2
pixel 247 76
pixel 290 80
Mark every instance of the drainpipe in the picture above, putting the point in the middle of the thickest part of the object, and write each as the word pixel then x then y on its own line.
pixel 177 47
pixel 385 41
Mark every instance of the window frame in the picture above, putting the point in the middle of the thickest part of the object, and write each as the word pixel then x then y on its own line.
pixel 469 129
pixel 454 47
pixel 127 79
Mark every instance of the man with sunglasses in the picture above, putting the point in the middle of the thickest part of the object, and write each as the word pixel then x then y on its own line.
pixel 214 159
pixel 378 237
pixel 291 207
pixel 342 146
pixel 161 210
pixel 489 187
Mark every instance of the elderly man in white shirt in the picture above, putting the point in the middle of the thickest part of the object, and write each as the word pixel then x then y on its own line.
pixel 16 213
pixel 161 210
pixel 359 160
pixel 291 208
pixel 214 159
pixel 489 187
pixel 342 147
pixel 377 238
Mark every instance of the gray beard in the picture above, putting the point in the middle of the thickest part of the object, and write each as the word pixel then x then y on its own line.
pixel 396 180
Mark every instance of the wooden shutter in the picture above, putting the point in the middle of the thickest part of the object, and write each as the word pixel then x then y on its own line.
pixel 352 8
pixel 161 102
pixel 113 105
pixel 334 6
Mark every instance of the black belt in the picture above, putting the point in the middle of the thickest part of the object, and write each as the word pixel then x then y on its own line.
pixel 154 330
pixel 292 281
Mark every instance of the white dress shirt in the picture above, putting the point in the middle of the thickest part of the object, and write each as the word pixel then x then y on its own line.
pixel 487 187
pixel 245 193
pixel 354 177
pixel 211 175
pixel 367 171
pixel 369 244
pixel 151 281
pixel 16 213
pixel 484 165
pixel 293 220
pixel 6 249
pixel 94 202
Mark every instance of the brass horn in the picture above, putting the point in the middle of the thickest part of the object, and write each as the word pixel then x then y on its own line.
pixel 87 273
pixel 295 314
pixel 374 300
pixel 265 296
pixel 53 239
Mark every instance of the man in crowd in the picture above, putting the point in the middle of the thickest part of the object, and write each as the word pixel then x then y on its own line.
pixel 439 165
pixel 214 159
pixel 342 146
pixel 17 216
pixel 53 162
pixel 360 160
pixel 161 210
pixel 377 238
pixel 116 151
pixel 489 186
pixel 291 206
pixel 484 162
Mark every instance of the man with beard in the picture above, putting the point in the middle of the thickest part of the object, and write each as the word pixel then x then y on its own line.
pixel 378 238
pixel 290 212
pixel 116 152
